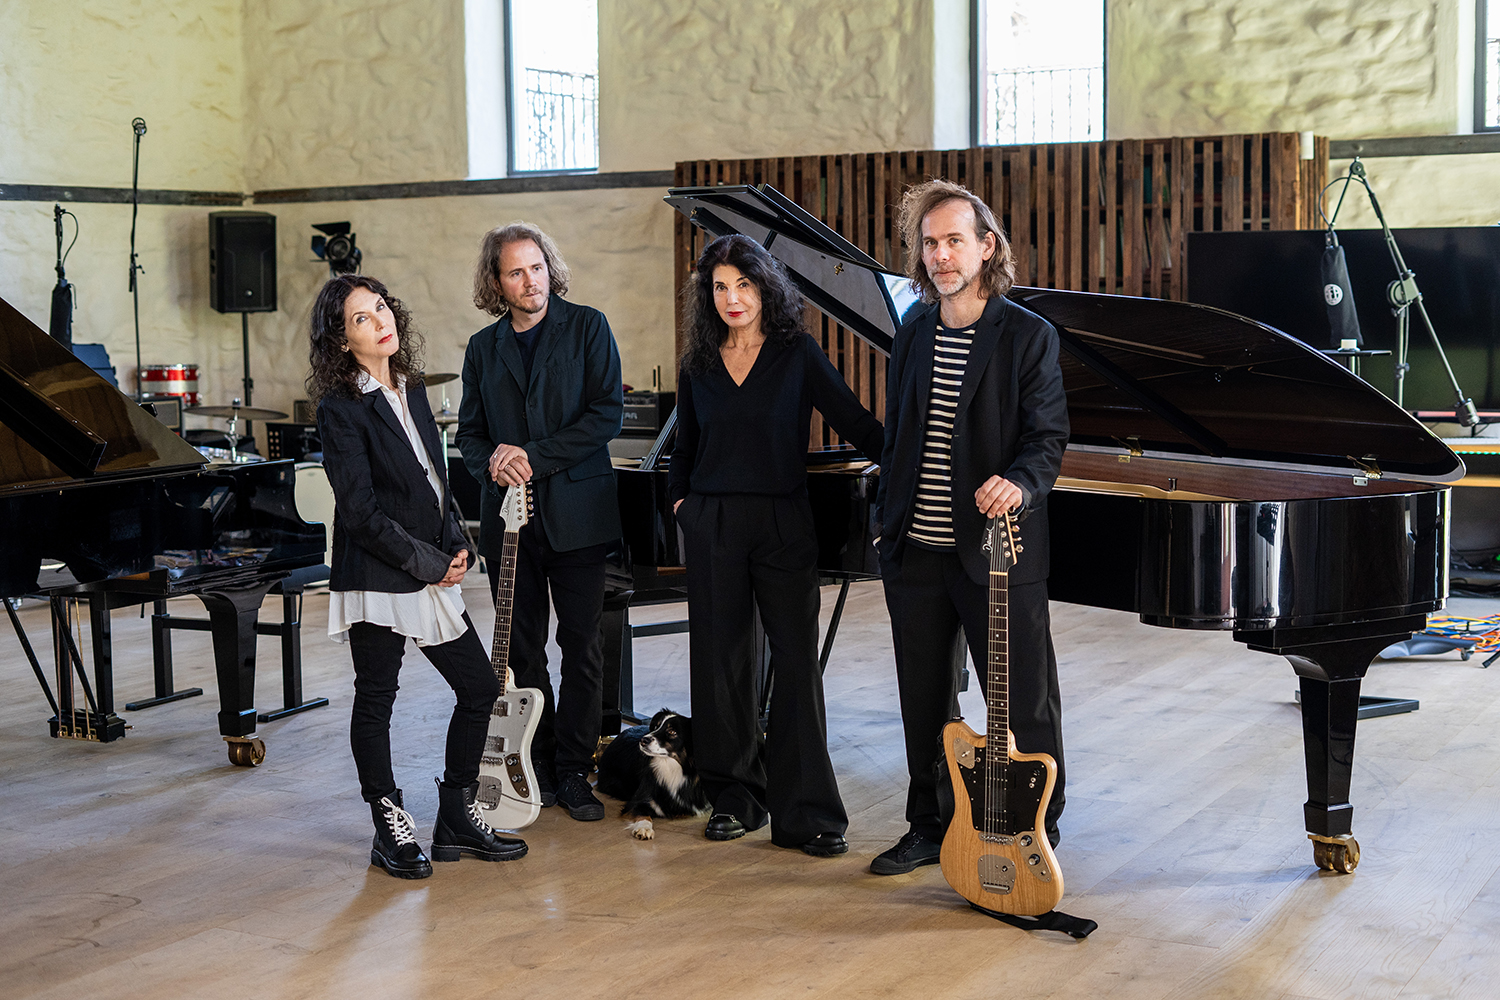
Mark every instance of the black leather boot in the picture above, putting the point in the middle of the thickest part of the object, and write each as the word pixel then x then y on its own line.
pixel 395 847
pixel 460 829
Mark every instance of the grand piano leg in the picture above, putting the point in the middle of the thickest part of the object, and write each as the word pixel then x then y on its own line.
pixel 232 615
pixel 1330 673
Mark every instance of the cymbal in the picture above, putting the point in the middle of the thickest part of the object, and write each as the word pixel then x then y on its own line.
pixel 438 378
pixel 242 412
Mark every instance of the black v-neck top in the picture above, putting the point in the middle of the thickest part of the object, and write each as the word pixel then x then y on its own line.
pixel 752 437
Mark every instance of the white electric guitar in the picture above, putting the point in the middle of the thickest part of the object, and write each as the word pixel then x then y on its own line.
pixel 508 795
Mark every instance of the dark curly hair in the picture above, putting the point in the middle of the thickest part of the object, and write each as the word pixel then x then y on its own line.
pixel 781 307
pixel 334 371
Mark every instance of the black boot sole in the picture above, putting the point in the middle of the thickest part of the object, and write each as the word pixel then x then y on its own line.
pixel 454 853
pixel 388 867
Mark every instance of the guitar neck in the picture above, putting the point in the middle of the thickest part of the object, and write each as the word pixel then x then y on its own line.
pixel 504 598
pixel 997 680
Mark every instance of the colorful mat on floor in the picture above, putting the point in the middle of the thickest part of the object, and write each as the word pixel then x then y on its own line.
pixel 1485 631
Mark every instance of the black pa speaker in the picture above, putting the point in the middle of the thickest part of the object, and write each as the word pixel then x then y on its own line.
pixel 242 261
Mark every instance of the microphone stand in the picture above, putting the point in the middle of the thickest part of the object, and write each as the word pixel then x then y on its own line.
pixel 1403 294
pixel 138 126
pixel 62 293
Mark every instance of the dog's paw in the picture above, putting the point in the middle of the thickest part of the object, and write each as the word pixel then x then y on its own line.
pixel 641 829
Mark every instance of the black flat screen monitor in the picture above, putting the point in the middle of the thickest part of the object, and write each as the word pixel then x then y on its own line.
pixel 1274 277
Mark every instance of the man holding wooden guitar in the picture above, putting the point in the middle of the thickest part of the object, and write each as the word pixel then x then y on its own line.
pixel 542 399
pixel 976 422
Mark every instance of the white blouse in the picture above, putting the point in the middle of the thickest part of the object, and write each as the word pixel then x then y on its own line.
pixel 432 615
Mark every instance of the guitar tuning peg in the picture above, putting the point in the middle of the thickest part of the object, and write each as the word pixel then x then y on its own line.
pixel 1019 550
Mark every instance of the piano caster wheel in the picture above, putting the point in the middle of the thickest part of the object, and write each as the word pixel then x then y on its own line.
pixel 245 752
pixel 1335 854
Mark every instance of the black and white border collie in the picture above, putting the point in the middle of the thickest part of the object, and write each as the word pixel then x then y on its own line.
pixel 651 768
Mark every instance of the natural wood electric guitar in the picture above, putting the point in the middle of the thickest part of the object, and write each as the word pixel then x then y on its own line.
pixel 508 795
pixel 996 852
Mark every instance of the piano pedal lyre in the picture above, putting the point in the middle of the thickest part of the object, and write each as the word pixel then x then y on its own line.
pixel 1335 854
pixel 245 751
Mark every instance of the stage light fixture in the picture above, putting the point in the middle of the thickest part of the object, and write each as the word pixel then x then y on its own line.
pixel 337 247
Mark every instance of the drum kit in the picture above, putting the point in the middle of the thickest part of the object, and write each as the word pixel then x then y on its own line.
pixel 181 380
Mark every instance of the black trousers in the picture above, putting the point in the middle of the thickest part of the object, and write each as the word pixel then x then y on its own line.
pixel 377 651
pixel 741 547
pixel 568 731
pixel 929 597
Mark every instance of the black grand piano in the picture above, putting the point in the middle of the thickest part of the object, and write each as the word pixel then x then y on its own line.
pixel 91 480
pixel 1220 475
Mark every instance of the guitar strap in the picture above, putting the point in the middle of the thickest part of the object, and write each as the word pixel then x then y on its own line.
pixel 1052 920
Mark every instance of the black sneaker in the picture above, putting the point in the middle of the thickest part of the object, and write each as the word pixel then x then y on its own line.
pixel 546 780
pixel 910 853
pixel 577 796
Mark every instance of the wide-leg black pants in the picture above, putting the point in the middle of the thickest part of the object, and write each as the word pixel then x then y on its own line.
pixel 930 597
pixel 377 651
pixel 741 547
pixel 568 730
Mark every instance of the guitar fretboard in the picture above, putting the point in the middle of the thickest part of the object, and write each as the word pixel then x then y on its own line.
pixel 504 598
pixel 997 680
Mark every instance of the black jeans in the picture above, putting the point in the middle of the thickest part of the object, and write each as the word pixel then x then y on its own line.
pixel 743 548
pixel 377 652
pixel 929 597
pixel 569 726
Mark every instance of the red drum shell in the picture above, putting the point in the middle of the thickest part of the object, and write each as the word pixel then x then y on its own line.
pixel 179 380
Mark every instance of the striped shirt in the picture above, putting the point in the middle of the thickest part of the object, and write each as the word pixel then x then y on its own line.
pixel 932 521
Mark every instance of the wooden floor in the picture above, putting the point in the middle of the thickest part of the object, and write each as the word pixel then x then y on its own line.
pixel 151 868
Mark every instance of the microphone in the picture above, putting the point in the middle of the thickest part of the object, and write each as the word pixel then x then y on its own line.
pixel 139 125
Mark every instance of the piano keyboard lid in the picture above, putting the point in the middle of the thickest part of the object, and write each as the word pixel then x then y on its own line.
pixel 1149 375
pixel 62 425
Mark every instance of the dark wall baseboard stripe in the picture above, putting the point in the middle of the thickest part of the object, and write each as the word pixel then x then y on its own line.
pixel 116 196
pixel 1415 145
pixel 450 189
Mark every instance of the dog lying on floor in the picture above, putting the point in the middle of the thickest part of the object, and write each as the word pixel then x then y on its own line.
pixel 651 768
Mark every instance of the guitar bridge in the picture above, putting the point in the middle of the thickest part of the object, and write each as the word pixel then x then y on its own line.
pixel 997 874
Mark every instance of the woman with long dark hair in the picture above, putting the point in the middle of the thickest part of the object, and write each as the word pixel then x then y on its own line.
pixel 398 557
pixel 749 379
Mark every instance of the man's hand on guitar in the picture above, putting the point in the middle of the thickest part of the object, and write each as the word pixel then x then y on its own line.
pixel 997 496
pixel 509 465
pixel 456 570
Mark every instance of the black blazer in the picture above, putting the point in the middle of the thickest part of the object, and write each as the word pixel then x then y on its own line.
pixel 390 534
pixel 564 416
pixel 1012 421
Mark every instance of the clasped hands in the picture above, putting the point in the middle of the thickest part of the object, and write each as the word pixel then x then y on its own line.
pixel 509 465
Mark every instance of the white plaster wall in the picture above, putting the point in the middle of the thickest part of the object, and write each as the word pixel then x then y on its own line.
pixel 365 92
pixel 177 323
pixel 618 244
pixel 73 75
pixel 680 80
pixel 1417 191
pixel 1342 69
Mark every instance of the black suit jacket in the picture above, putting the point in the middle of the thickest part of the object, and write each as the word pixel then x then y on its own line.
pixel 564 416
pixel 390 533
pixel 1012 421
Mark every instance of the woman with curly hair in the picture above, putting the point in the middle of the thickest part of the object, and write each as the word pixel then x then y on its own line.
pixel 750 377
pixel 398 557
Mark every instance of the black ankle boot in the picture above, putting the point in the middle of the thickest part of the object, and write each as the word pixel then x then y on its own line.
pixel 461 829
pixel 395 847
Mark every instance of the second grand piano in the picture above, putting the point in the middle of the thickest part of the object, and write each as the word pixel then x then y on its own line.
pixel 1220 475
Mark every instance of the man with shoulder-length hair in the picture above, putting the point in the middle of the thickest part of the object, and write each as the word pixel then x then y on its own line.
pixel 975 425
pixel 542 399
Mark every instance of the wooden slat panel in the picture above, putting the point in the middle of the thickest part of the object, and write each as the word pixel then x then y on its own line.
pixel 1132 229
pixel 1078 215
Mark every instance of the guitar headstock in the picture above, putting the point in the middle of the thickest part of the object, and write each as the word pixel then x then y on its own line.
pixel 1002 541
pixel 516 510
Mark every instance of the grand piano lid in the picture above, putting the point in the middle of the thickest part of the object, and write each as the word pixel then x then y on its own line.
pixel 835 275
pixel 62 425
pixel 1187 380
pixel 1153 375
